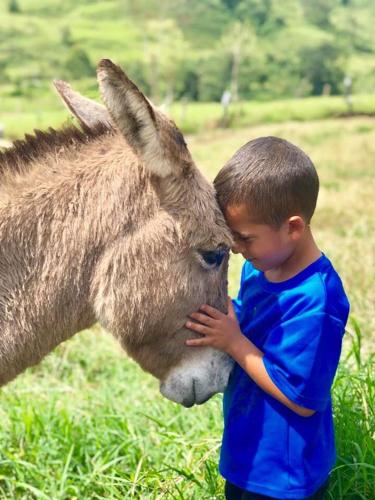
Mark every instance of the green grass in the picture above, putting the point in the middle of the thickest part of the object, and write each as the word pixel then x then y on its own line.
pixel 195 117
pixel 42 108
pixel 87 423
pixel 97 428
pixel 354 391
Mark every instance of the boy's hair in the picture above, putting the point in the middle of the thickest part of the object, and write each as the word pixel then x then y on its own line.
pixel 274 178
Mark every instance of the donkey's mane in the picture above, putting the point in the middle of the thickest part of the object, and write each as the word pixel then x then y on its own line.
pixel 25 152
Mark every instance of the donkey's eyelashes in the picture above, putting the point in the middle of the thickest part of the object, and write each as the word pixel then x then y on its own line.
pixel 212 258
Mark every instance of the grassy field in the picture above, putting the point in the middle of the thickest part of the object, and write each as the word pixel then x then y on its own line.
pixel 24 113
pixel 87 423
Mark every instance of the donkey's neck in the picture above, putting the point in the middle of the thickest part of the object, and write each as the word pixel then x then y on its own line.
pixel 55 221
pixel 33 149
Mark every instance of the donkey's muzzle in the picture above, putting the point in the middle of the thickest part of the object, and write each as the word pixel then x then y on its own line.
pixel 198 378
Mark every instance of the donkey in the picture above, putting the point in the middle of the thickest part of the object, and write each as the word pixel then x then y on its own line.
pixel 112 223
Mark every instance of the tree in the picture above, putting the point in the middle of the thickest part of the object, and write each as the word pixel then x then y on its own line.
pixel 323 65
pixel 231 4
pixel 78 63
pixel 13 6
pixel 239 42
pixel 214 75
pixel 319 12
pixel 165 51
pixel 66 37
pixel 256 10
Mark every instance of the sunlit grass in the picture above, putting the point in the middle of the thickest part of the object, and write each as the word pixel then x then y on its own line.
pixel 89 423
pixel 197 116
pixel 353 476
pixel 20 114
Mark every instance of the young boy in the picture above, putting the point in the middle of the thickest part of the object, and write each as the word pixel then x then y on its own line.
pixel 284 330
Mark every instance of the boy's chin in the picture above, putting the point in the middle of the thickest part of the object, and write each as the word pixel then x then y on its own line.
pixel 260 266
pixel 254 262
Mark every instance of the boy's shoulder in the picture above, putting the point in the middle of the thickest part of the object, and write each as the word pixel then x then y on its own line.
pixel 317 288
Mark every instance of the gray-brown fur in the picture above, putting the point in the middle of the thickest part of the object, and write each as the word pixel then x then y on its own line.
pixel 91 231
pixel 32 148
pixel 89 113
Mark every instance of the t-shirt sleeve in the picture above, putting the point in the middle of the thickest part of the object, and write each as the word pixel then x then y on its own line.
pixel 301 357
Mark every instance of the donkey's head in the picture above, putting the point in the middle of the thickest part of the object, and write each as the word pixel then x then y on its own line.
pixel 172 258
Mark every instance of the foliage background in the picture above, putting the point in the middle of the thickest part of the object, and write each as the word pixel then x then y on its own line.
pixel 260 49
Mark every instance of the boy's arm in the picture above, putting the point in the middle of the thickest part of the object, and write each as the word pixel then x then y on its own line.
pixel 250 358
pixel 222 332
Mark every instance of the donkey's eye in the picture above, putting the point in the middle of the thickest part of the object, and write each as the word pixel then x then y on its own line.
pixel 212 259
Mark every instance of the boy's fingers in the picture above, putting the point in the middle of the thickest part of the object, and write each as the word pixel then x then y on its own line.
pixel 197 327
pixel 214 313
pixel 203 318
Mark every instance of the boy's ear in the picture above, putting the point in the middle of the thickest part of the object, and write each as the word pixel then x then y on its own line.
pixel 296 226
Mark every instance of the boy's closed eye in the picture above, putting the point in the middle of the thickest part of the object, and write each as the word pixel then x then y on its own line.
pixel 244 239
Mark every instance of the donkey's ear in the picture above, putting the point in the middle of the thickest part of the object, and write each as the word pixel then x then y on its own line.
pixel 134 116
pixel 88 112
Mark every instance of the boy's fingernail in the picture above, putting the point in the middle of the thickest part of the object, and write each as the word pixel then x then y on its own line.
pixel 188 323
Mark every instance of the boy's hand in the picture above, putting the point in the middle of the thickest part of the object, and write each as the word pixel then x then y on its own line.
pixel 221 331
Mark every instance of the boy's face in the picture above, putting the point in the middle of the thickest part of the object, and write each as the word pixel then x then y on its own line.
pixel 263 245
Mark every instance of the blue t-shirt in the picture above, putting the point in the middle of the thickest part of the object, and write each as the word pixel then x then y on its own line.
pixel 298 324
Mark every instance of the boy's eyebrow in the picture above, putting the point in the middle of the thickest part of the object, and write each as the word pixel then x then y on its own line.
pixel 243 235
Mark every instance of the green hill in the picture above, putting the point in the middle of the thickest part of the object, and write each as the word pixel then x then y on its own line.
pixel 261 49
